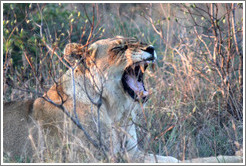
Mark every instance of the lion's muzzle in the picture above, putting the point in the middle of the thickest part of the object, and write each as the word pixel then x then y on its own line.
pixel 150 49
pixel 133 80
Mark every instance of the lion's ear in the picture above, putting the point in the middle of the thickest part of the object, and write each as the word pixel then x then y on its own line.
pixel 73 52
pixel 92 50
pixel 91 54
pixel 120 39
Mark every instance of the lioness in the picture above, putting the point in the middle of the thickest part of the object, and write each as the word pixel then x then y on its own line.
pixel 100 94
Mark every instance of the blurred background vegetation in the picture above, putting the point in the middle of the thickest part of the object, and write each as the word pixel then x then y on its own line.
pixel 196 109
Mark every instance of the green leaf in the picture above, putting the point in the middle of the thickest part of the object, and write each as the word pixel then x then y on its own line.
pixel 194 110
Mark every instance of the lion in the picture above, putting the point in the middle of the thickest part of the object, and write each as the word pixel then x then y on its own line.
pixel 93 105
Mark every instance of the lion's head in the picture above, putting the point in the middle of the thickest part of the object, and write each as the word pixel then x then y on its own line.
pixel 121 60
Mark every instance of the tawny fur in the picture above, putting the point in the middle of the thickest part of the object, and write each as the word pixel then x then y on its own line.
pixel 32 129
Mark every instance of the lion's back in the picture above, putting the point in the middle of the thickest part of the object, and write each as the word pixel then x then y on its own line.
pixel 16 119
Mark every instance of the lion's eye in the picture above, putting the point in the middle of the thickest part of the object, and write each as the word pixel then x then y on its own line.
pixel 119 49
pixel 125 47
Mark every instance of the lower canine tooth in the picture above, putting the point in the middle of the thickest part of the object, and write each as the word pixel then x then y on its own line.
pixel 154 66
pixel 133 67
pixel 142 67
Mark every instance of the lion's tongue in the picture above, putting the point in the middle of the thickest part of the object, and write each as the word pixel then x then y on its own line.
pixel 135 85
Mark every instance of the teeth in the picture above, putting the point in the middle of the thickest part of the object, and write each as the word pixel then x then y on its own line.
pixel 142 67
pixel 142 94
pixel 133 67
pixel 154 64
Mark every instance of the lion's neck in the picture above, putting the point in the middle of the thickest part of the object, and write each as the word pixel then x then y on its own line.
pixel 116 104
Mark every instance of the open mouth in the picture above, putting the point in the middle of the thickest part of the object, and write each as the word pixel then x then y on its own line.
pixel 133 83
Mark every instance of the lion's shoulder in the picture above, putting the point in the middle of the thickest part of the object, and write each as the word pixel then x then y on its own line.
pixel 18 108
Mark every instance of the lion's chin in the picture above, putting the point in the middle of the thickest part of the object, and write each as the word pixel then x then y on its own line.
pixel 133 83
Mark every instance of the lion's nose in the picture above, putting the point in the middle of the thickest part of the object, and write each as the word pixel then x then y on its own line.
pixel 151 50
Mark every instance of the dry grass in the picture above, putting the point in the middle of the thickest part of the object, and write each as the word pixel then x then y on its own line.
pixel 189 114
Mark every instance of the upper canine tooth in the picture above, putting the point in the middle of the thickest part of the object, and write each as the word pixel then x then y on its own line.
pixel 142 67
pixel 154 64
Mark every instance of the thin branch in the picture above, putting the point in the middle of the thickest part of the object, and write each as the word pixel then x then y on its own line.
pixel 233 6
pixel 77 123
pixel 41 25
pixel 54 52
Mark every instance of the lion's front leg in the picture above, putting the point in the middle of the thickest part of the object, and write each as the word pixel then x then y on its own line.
pixel 150 158
pixel 136 155
pixel 141 157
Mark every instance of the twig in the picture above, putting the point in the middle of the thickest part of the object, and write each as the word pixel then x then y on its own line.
pixel 54 52
pixel 77 123
pixel 41 25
